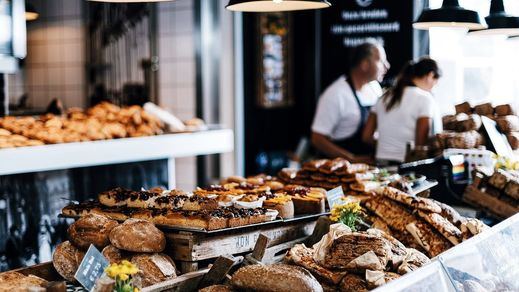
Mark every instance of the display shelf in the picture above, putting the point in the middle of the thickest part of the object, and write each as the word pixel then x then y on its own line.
pixel 84 154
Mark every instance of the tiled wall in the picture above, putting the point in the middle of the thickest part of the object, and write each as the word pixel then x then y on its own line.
pixel 177 84
pixel 55 63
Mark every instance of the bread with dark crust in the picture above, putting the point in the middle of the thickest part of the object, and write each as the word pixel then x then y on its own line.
pixel 66 260
pixel 138 236
pixel 91 229
pixel 154 268
pixel 279 278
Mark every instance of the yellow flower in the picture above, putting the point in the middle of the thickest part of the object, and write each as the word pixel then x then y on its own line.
pixel 123 277
pixel 136 290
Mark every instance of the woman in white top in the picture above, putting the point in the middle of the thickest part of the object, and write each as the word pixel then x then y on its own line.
pixel 405 112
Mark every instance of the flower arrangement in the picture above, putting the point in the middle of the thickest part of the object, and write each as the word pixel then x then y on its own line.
pixel 122 274
pixel 506 163
pixel 348 213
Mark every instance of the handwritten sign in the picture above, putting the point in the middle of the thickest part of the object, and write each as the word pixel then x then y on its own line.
pixel 91 268
pixel 334 196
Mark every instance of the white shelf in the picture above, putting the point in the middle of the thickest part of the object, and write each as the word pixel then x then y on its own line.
pixel 72 155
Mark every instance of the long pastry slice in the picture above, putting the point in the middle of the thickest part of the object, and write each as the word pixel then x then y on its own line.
pixel 428 238
pixel 114 197
pixel 333 165
pixel 443 226
pixel 411 201
pixel 306 200
pixel 281 203
pixel 314 165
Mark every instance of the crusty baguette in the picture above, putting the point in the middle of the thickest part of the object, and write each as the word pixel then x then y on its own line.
pixel 138 236
pixel 279 278
pixel 91 229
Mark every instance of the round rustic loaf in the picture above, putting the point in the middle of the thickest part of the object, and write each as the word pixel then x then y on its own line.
pixel 66 260
pixel 279 278
pixel 91 229
pixel 154 268
pixel 138 236
pixel 115 255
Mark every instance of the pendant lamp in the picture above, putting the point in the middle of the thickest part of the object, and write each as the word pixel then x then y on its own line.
pixel 275 5
pixel 451 14
pixel 129 1
pixel 30 12
pixel 499 23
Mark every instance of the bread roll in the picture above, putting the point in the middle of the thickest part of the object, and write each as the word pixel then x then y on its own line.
pixel 66 260
pixel 279 278
pixel 513 140
pixel 91 229
pixel 508 124
pixel 154 268
pixel 138 236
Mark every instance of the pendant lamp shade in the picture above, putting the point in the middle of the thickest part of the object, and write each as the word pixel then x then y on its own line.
pixel 451 14
pixel 129 1
pixel 30 12
pixel 275 5
pixel 499 23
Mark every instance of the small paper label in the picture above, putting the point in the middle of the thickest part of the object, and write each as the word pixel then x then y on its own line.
pixel 92 267
pixel 334 196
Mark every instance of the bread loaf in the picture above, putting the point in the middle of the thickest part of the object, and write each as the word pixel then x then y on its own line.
pixel 513 140
pixel 138 236
pixel 17 282
pixel 154 268
pixel 66 260
pixel 484 109
pixel 279 278
pixel 508 124
pixel 512 188
pixel 503 110
pixel 353 283
pixel 217 288
pixel 115 255
pixel 499 179
pixel 91 229
pixel 463 108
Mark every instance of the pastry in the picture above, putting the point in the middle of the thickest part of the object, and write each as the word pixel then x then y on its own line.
pixel 503 110
pixel 306 200
pixel 463 108
pixel 411 201
pixel 508 124
pixel 281 203
pixel 512 188
pixel 443 226
pixel 484 109
pixel 91 229
pixel 138 236
pixel 314 165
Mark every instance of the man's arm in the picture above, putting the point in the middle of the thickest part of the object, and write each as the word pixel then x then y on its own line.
pixel 330 149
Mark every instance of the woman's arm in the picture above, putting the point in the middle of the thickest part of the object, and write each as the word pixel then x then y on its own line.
pixel 330 149
pixel 423 127
pixel 369 129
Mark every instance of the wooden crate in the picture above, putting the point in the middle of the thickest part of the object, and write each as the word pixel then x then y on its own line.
pixel 190 248
pixel 489 203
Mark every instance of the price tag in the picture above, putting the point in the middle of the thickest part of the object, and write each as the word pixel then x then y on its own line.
pixel 334 196
pixel 92 267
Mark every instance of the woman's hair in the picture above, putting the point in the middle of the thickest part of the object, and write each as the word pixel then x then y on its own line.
pixel 425 65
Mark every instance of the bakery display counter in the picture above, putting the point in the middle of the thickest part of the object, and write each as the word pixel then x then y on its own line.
pixel 104 152
pixel 487 262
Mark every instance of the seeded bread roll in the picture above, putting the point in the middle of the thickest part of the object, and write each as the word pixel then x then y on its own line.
pixel 66 260
pixel 279 278
pixel 138 236
pixel 91 229
pixel 154 268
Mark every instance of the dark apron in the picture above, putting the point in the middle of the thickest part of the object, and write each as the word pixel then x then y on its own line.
pixel 354 143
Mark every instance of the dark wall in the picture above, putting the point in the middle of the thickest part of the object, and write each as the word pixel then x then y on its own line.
pixel 318 57
pixel 277 131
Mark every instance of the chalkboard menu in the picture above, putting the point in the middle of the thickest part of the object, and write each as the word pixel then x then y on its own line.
pixel 349 23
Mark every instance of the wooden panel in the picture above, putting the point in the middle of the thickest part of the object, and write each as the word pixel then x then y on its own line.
pixel 200 246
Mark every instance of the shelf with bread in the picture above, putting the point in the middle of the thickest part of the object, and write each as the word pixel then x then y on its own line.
pixel 102 135
pixel 494 191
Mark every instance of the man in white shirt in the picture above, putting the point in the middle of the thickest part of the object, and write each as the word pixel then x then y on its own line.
pixel 344 106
